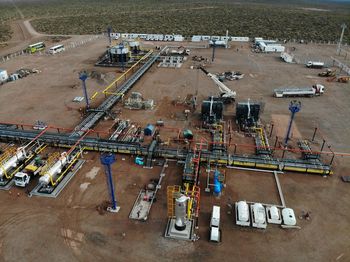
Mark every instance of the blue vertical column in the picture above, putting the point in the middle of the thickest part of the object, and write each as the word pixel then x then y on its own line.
pixel 294 107
pixel 107 159
pixel 83 76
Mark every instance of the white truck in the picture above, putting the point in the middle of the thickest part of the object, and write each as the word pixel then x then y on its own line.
pixel 32 169
pixel 215 232
pixel 312 64
pixel 315 90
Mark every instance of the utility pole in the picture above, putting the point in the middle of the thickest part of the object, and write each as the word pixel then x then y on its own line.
pixel 109 31
pixel 294 107
pixel 343 26
pixel 107 159
pixel 213 55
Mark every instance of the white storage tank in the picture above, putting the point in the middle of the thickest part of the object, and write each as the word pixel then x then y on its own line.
pixel 273 215
pixel 180 212
pixel 258 215
pixel 288 217
pixel 242 213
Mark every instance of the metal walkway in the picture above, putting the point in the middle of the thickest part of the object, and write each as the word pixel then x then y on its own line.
pixel 91 120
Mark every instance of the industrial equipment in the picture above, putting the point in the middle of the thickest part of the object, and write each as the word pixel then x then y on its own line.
pixel 288 217
pixel 248 114
pixel 306 150
pixel 218 135
pixel 136 101
pixel 329 72
pixel 183 209
pixel 273 215
pixel 315 90
pixel 340 79
pixel 107 159
pixel 215 232
pixel 262 143
pixel 15 159
pixel 212 111
pixel 22 178
pixel 294 107
pixel 258 215
pixel 313 64
pixel 242 214
pixel 226 94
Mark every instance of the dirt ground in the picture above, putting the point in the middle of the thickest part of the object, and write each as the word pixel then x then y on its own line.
pixel 70 228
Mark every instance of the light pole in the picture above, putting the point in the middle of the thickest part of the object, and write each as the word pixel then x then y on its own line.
pixel 294 107
pixel 343 26
pixel 107 159
pixel 83 76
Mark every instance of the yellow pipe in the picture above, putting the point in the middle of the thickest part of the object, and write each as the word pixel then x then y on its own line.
pixel 126 72
pixel 94 95
pixel 67 169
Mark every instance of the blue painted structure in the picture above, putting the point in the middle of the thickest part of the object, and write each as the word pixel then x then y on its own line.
pixel 149 129
pixel 83 76
pixel 107 159
pixel 218 186
pixel 294 107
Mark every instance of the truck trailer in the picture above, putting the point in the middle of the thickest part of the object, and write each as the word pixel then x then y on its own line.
pixel 312 64
pixel 315 90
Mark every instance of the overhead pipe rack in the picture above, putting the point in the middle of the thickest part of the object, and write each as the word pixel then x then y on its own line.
pixel 104 145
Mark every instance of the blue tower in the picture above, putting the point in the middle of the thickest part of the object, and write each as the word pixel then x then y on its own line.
pixel 107 159
pixel 294 107
pixel 83 76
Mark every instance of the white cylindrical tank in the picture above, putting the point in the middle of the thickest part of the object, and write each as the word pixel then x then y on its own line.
pixel 259 213
pixel 180 212
pixel 54 170
pixel 243 211
pixel 288 217
pixel 274 213
pixel 13 161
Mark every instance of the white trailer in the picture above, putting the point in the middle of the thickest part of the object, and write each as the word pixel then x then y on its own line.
pixel 271 47
pixel 315 90
pixel 313 64
pixel 215 225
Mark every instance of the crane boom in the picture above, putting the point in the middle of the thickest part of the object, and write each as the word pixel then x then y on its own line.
pixel 226 92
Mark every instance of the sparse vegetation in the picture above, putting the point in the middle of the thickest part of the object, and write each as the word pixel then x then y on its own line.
pixel 282 21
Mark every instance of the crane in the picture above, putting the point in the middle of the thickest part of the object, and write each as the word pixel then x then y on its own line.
pixel 227 95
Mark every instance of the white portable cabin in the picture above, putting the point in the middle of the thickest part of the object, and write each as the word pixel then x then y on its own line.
pixel 273 215
pixel 288 217
pixel 258 216
pixel 215 37
pixel 239 39
pixel 168 38
pixel 215 224
pixel 274 48
pixel 215 217
pixel 178 38
pixel 242 214
pixel 3 75
pixel 205 37
pixel 196 38
pixel 142 36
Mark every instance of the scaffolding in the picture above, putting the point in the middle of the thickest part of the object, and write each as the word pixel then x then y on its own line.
pixel 193 192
